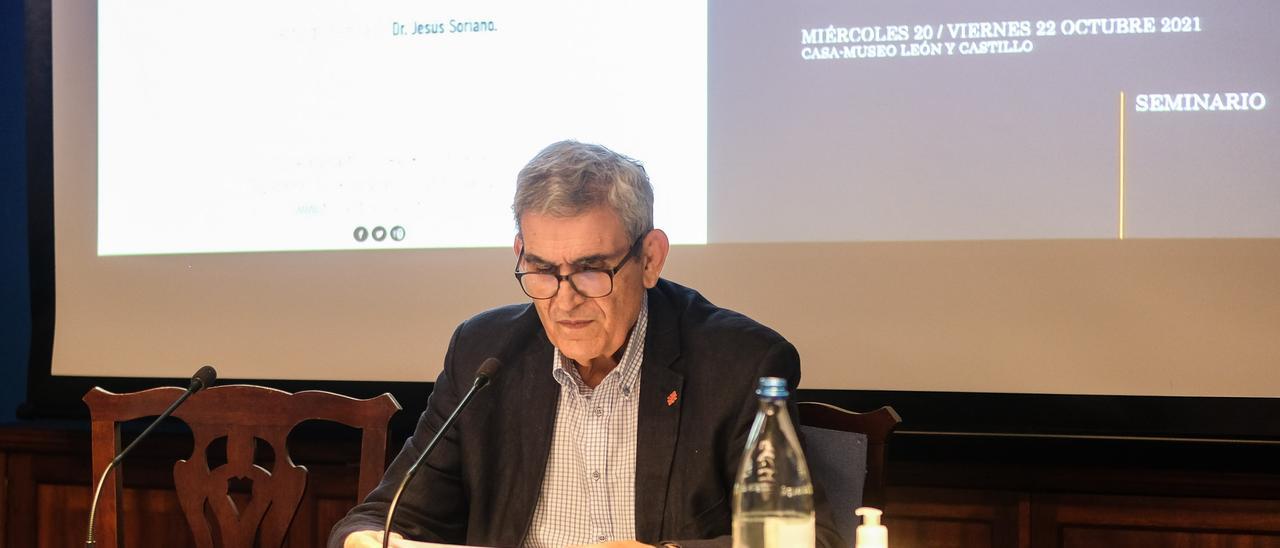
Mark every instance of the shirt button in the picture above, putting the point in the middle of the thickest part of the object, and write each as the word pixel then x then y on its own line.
pixel 599 411
pixel 600 538
pixel 595 475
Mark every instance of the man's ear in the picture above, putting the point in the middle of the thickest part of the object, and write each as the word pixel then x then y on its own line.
pixel 654 252
pixel 517 245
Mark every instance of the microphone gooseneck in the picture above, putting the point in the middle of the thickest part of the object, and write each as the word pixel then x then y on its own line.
pixel 483 376
pixel 202 379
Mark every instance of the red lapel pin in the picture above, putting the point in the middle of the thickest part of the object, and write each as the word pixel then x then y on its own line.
pixel 671 398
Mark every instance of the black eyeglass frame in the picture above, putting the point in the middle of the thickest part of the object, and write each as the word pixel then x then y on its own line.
pixel 611 272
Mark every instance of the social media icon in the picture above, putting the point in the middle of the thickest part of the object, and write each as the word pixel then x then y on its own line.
pixel 379 233
pixel 361 233
pixel 397 233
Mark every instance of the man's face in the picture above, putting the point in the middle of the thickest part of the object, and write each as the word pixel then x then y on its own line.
pixel 589 331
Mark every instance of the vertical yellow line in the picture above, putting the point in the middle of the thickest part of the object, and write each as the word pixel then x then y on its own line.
pixel 1121 212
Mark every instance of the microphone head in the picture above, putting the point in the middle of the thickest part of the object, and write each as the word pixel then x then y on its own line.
pixel 487 370
pixel 203 378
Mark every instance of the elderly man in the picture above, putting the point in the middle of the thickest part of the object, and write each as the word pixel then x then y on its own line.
pixel 623 407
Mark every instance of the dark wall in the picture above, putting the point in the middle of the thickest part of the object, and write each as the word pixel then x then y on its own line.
pixel 15 311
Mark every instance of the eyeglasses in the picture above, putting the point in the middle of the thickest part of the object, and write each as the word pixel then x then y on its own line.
pixel 591 283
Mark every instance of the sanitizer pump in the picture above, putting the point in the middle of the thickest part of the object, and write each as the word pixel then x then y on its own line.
pixel 871 534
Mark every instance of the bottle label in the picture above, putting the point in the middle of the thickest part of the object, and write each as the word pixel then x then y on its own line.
pixel 767 489
pixel 764 461
pixel 788 491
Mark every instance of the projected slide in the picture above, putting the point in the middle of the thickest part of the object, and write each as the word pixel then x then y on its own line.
pixel 290 125
pixel 941 120
pixel 312 125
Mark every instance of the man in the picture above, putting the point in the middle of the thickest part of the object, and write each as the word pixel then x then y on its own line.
pixel 624 401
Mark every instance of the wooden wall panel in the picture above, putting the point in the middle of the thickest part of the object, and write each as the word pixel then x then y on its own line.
pixel 940 533
pixel 302 532
pixel 327 499
pixel 329 511
pixel 56 509
pixel 47 488
pixel 957 518
pixel 4 494
pixel 972 503
pixel 1072 521
pixel 151 517
pixel 21 494
pixel 1092 537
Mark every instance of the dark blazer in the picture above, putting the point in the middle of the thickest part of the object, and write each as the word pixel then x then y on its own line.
pixel 482 482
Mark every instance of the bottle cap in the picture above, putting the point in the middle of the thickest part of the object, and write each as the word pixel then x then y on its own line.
pixel 871 534
pixel 772 387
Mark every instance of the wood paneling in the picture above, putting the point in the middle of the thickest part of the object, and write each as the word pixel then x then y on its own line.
pixel 965 501
pixel 4 494
pixel 151 517
pixel 957 518
pixel 329 511
pixel 966 518
pixel 1091 537
pixel 1080 521
pixel 940 533
pixel 47 481
pixel 22 517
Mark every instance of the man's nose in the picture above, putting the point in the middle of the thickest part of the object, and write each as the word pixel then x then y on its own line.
pixel 567 297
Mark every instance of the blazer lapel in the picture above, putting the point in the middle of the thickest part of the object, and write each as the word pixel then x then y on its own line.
pixel 658 417
pixel 534 432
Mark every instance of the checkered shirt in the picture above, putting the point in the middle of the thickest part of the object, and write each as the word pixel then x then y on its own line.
pixel 588 490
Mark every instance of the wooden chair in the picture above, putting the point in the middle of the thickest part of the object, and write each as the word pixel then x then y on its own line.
pixel 876 426
pixel 244 415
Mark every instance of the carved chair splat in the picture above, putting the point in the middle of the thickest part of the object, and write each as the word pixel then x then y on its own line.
pixel 245 416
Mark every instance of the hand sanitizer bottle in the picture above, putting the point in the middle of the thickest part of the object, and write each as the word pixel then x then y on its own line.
pixel 871 534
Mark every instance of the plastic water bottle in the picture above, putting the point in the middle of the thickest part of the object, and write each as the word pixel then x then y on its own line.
pixel 773 497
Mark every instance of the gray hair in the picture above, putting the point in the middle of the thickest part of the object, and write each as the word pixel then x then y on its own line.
pixel 568 178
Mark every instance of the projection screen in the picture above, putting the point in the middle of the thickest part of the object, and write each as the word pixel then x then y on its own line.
pixel 999 196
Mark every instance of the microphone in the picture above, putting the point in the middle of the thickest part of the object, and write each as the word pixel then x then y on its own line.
pixel 202 379
pixel 487 369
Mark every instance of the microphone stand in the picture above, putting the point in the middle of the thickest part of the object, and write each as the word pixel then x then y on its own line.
pixel 202 378
pixel 482 380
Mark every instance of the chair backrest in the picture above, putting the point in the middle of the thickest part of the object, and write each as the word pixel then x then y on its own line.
pixel 244 415
pixel 846 455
